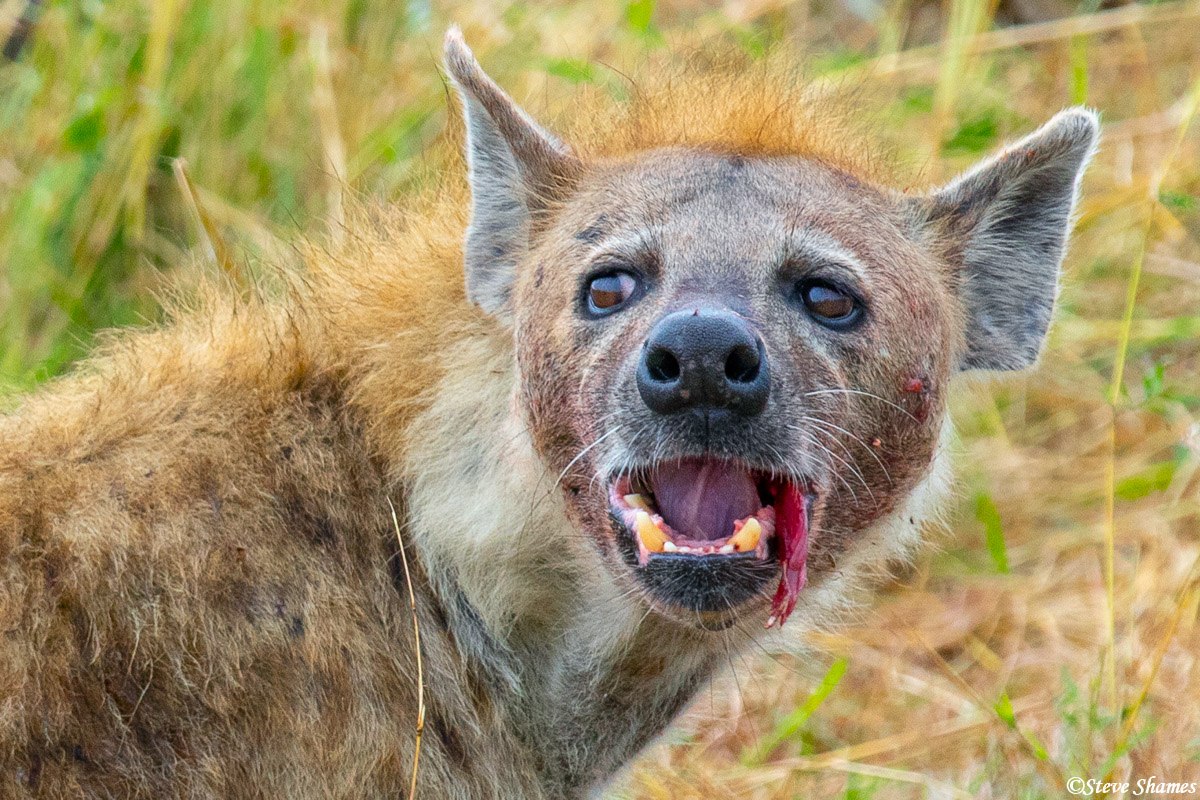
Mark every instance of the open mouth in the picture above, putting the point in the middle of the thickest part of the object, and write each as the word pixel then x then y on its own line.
pixel 717 521
pixel 697 507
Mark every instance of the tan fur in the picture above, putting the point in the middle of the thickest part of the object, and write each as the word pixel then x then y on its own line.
pixel 200 592
pixel 729 103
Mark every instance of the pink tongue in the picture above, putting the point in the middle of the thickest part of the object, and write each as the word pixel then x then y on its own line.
pixel 701 500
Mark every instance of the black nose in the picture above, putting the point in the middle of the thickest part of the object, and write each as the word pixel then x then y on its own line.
pixel 703 359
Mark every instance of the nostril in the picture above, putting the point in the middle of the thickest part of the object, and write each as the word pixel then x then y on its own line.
pixel 662 365
pixel 742 364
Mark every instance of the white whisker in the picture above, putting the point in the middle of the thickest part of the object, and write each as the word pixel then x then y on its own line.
pixel 864 394
pixel 864 445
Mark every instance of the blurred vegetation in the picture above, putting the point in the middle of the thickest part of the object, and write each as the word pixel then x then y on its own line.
pixel 1054 635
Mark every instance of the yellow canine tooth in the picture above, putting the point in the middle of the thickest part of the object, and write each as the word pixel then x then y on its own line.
pixel 637 501
pixel 651 535
pixel 747 538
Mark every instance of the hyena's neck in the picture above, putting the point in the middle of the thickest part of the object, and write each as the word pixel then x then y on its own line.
pixel 604 687
pixel 581 674
pixel 582 694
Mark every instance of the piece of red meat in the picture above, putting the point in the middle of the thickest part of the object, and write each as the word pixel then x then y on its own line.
pixel 791 527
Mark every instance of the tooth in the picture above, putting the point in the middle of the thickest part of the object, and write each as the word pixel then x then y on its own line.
pixel 669 546
pixel 651 535
pixel 637 501
pixel 747 538
pixel 725 549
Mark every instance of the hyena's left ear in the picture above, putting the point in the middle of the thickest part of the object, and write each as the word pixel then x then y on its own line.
pixel 1004 225
pixel 515 168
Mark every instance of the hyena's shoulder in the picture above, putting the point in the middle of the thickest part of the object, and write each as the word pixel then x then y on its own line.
pixel 196 584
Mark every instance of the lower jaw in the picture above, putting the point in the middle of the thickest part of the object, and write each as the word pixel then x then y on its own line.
pixel 706 585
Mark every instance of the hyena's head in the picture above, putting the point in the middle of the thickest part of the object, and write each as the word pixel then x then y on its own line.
pixel 739 364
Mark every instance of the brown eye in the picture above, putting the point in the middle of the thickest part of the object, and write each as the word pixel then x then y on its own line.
pixel 609 292
pixel 830 305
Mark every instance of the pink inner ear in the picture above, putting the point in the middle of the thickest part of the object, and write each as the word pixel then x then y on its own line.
pixel 791 522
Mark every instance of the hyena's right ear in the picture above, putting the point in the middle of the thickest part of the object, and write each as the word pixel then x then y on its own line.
pixel 1004 225
pixel 514 166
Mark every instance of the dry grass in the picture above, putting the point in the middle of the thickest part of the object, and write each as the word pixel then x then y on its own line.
pixel 412 604
pixel 1055 633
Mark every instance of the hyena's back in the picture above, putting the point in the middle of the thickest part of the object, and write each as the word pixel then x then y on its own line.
pixel 200 589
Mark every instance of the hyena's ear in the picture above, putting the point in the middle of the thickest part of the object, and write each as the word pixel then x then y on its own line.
pixel 515 168
pixel 1004 224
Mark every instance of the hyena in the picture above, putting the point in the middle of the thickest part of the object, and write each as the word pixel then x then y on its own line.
pixel 634 396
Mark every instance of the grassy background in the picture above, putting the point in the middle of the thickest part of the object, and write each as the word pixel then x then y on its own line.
pixel 1054 635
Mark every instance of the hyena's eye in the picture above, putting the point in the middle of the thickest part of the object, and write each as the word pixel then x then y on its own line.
pixel 609 291
pixel 830 305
